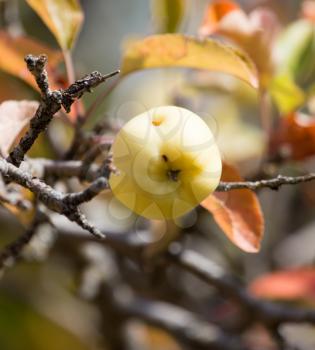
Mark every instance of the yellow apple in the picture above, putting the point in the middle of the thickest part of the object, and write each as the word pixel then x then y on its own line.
pixel 166 162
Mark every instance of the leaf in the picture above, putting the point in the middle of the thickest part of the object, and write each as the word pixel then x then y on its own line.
pixel 294 138
pixel 168 14
pixel 63 18
pixel 286 285
pixel 176 50
pixel 238 213
pixel 308 10
pixel 213 15
pixel 286 94
pixel 14 49
pixel 14 116
pixel 294 51
pixel 254 33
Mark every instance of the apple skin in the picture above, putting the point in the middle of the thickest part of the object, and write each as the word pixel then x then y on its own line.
pixel 166 161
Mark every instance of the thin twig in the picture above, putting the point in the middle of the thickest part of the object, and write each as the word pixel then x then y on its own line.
pixel 60 168
pixel 36 65
pixel 100 98
pixel 95 188
pixel 13 250
pixel 54 200
pixel 273 184
pixel 51 102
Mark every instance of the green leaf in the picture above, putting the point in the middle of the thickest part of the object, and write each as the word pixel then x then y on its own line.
pixel 168 14
pixel 63 18
pixel 286 94
pixel 176 50
pixel 295 51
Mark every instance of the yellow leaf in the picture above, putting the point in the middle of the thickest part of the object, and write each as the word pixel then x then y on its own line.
pixel 63 18
pixel 176 50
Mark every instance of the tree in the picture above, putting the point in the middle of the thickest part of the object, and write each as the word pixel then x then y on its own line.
pixel 145 272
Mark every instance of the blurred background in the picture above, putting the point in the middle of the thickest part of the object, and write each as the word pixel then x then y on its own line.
pixel 50 298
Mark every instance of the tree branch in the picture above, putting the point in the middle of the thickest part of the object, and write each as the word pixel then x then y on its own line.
pixel 269 313
pixel 36 65
pixel 51 102
pixel 273 184
pixel 60 168
pixel 59 202
pixel 184 325
pixel 64 169
pixel 13 250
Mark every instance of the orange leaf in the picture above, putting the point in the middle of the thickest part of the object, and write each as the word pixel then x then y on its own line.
pixel 308 10
pixel 14 49
pixel 295 137
pixel 238 213
pixel 214 13
pixel 14 116
pixel 286 285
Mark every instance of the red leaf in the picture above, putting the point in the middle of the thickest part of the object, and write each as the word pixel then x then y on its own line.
pixel 214 13
pixel 286 285
pixel 294 138
pixel 238 213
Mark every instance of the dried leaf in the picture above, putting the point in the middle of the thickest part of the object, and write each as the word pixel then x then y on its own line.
pixel 286 285
pixel 294 138
pixel 63 18
pixel 238 213
pixel 168 14
pixel 176 50
pixel 14 116
pixel 14 49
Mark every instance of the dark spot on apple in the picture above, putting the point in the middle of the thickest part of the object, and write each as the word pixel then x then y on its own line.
pixel 173 174
pixel 164 157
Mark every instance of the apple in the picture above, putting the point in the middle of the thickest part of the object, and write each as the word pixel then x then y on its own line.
pixel 166 162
